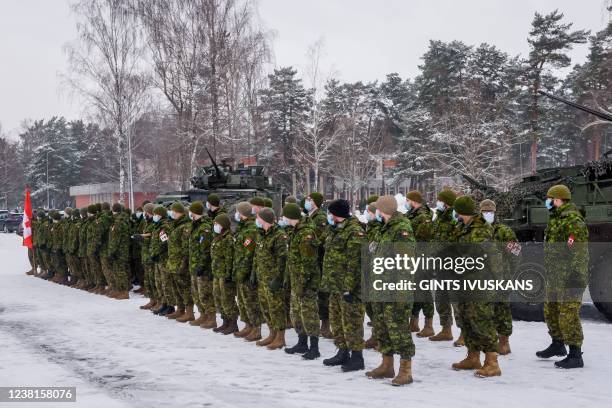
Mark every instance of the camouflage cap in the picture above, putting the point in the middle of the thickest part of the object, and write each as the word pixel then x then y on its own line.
pixel 160 210
pixel 267 214
pixel 317 198
pixel 465 205
pixel 98 207
pixel 244 208
pixel 213 199
pixel 290 199
pixel 91 208
pixel 292 211
pixel 55 215
pixel 487 205
pixel 415 196
pixel 223 220
pixel 258 201
pixel 559 191
pixel 68 211
pixel 447 196
pixel 387 204
pixel 117 207
pixel 84 211
pixel 105 206
pixel 149 207
pixel 178 207
pixel 268 202
pixel 197 207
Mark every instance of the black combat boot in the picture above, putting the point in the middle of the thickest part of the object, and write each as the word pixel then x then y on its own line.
pixel 313 352
pixel 167 310
pixel 573 360
pixel 341 357
pixel 556 348
pixel 354 363
pixel 301 347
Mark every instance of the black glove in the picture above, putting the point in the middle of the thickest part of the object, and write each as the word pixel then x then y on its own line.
pixel 137 237
pixel 199 271
pixel 275 284
pixel 348 297
pixel 154 258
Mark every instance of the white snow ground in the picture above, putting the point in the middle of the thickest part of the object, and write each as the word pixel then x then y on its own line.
pixel 119 356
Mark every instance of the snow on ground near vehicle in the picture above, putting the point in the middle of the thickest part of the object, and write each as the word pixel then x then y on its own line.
pixel 119 356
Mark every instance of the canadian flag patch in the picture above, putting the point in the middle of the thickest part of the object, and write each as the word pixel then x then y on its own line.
pixel 247 242
pixel 163 237
pixel 570 241
pixel 514 248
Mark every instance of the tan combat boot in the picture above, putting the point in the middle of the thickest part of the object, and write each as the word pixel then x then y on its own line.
pixel 188 316
pixel 404 375
pixel 30 272
pixel 446 334
pixel 384 370
pixel 278 342
pixel 232 327
pixel 267 340
pixel 371 342
pixel 490 368
pixel 414 324
pixel 460 342
pixel 325 330
pixel 428 330
pixel 245 331
pixel 210 321
pixel 471 362
pixel 148 305
pixel 201 319
pixel 254 334
pixel 180 310
pixel 122 295
pixel 503 347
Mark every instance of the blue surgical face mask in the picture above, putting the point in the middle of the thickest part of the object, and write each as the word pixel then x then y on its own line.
pixel 455 216
pixel 440 206
pixel 282 222
pixel 171 214
pixel 330 220
pixel 138 215
pixel 549 203
pixel 407 205
pixel 207 205
pixel 370 216
pixel 156 218
pixel 258 223
pixel 379 217
pixel 217 228
pixel 237 216
pixel 253 211
pixel 308 205
pixel 489 216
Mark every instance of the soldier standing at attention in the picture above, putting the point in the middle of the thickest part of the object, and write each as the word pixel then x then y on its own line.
pixel 392 319
pixel 118 252
pixel 213 205
pixel 420 215
pixel 245 242
pixel 510 248
pixel 149 273
pixel 342 280
pixel 60 268
pixel 372 230
pixel 257 203
pixel 270 261
pixel 105 219
pixel 158 255
pixel 312 205
pixel 85 282
pixel 224 287
pixel 566 259
pixel 304 275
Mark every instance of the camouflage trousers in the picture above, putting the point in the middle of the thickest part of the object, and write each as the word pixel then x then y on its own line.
pixel 38 257
pixel 346 321
pixel 45 255
pixel 503 318
pixel 445 309
pixel 31 258
pixel 323 301
pixel 149 281
pixel 272 305
pixel 84 266
pixel 561 313
pixel 391 324
pixel 181 287
pixel 107 271
pixel 478 325
pixel 423 301
pixel 248 304
pixel 304 312
pixel 59 263
pixel 95 269
pixel 287 305
pixel 121 274
pixel 163 284
pixel 72 262
pixel 225 298
pixel 370 313
pixel 202 292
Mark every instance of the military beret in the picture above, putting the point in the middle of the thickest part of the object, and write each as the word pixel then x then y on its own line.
pixel 117 208
pixel 487 205
pixel 267 214
pixel 84 211
pixel 160 210
pixel 290 199
pixel 258 201
pixel 447 196
pixel 559 191
pixel 244 208
pixel 415 196
pixel 223 220
pixel 465 205
pixel 340 208
pixel 197 208
pixel 372 199
pixel 317 198
pixel 178 207
pixel 387 204
pixel 149 207
pixel 268 202
pixel 213 199
pixel 292 211
pixel 105 206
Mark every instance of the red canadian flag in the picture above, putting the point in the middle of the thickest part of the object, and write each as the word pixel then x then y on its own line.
pixel 27 220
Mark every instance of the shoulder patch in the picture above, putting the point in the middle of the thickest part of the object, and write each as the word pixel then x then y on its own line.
pixel 360 233
pixel 247 242
pixel 405 233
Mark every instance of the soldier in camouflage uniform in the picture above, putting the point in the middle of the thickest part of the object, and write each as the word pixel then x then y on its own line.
pixel 93 237
pixel 444 229
pixel 420 216
pixel 58 257
pixel 105 219
pixel 177 265
pixel 270 261
pixel 477 311
pixel 71 245
pixel 144 238
pixel 342 280
pixel 312 205
pixel 118 252
pixel 86 282
pixel 392 319
pixel 158 255
pixel 566 259
pixel 245 241
pixel 199 266
pixel 224 286
pixel 139 223
pixel 372 230
pixel 506 238
pixel 44 242
pixel 214 207
pixel 302 270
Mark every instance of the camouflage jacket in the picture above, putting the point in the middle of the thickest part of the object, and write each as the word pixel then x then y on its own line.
pixel 271 255
pixel 34 224
pixel 73 228
pixel 319 220
pixel 149 227
pixel 105 221
pixel 158 245
pixel 178 246
pixel 246 236
pixel 222 253
pixel 45 234
pixel 422 225
pixel 509 247
pixel 119 235
pixel 213 214
pixel 57 236
pixel 199 246
pixel 84 224
pixel 302 258
pixel 94 236
pixel 566 254
pixel 342 260
pixel 444 226
pixel 373 230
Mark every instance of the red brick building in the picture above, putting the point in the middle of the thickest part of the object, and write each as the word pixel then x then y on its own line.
pixel 109 192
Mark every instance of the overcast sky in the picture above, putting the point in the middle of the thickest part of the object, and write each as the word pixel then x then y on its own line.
pixel 364 40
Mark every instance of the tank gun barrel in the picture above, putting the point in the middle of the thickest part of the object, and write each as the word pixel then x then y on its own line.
pixel 214 163
pixel 480 186
pixel 602 115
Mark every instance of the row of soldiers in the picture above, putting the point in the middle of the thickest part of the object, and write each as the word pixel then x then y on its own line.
pixel 303 267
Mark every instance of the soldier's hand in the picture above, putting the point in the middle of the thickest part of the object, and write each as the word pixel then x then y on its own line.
pixel 275 285
pixel 348 297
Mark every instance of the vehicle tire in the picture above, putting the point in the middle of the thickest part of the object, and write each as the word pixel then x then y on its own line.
pixel 600 286
pixel 528 305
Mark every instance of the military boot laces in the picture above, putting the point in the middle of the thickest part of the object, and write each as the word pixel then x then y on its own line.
pixel 355 362
pixel 503 347
pixel 313 351
pixel 340 358
pixel 384 370
pixel 471 362
pixel 301 347
pixel 490 367
pixel 556 349
pixel 404 375
pixel 573 360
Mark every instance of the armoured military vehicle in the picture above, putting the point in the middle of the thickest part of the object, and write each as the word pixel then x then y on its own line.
pixel 522 207
pixel 231 185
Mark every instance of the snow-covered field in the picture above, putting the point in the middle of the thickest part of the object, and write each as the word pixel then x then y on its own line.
pixel 119 356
